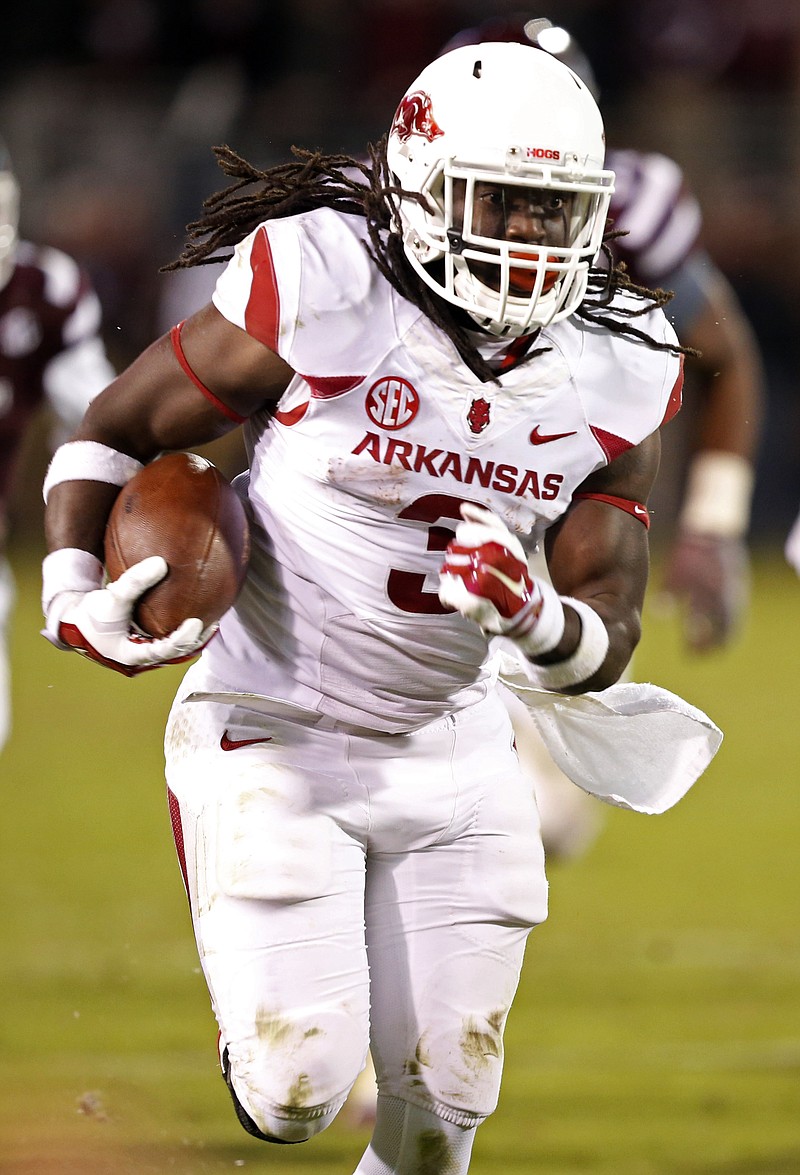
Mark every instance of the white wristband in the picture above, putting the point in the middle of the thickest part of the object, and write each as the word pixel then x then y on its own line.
pixel 89 461
pixel 541 624
pixel 719 487
pixel 589 654
pixel 69 570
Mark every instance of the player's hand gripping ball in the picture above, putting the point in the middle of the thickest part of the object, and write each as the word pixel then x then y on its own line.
pixel 180 507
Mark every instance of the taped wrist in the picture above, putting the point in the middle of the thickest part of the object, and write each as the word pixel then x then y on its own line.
pixel 539 626
pixel 583 663
pixel 89 461
pixel 64 572
pixel 719 488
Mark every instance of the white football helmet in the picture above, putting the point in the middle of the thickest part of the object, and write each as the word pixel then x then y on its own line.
pixel 507 114
pixel 9 216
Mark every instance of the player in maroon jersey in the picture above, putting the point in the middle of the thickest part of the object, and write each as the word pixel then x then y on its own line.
pixel 51 355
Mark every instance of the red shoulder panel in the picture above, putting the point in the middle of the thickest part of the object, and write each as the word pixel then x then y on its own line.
pixel 262 313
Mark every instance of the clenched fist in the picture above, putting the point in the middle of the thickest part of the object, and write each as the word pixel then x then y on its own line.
pixel 485 577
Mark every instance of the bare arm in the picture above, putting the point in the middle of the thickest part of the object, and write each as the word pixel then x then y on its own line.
pixel 707 565
pixel 734 402
pixel 154 406
pixel 599 553
pixel 578 632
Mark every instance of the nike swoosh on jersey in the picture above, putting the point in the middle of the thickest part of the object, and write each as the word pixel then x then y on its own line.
pixel 542 438
pixel 231 744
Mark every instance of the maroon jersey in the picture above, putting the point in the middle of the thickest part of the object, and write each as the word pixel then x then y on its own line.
pixel 659 215
pixel 50 348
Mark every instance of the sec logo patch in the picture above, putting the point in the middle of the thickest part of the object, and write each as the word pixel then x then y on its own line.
pixel 392 403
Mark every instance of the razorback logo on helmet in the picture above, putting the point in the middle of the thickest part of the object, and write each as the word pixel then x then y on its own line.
pixel 551 154
pixel 392 402
pixel 414 116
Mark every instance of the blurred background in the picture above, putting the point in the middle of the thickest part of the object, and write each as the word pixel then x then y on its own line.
pixel 110 109
pixel 657 1030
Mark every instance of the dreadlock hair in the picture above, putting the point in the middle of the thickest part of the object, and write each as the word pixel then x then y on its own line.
pixel 313 180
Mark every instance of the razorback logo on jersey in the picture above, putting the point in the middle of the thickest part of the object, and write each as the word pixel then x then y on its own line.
pixel 479 415
pixel 496 475
pixel 392 402
pixel 414 116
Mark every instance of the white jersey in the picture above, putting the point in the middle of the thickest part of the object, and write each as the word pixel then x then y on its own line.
pixel 356 481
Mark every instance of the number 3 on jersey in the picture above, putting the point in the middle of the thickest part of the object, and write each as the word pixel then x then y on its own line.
pixel 406 589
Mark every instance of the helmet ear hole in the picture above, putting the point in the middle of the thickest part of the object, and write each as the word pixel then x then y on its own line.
pixel 511 116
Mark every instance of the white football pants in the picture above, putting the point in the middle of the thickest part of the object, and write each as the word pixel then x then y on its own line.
pixel 346 886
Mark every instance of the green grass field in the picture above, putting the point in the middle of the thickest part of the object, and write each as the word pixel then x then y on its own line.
pixel 657 1029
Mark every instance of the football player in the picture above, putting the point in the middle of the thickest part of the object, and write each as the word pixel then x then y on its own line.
pixel 431 368
pixel 51 353
pixel 706 568
pixel 706 564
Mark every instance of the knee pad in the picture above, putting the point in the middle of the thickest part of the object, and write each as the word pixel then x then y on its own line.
pixel 241 1113
pixel 294 1077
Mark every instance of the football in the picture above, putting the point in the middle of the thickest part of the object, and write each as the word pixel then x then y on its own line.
pixel 180 507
